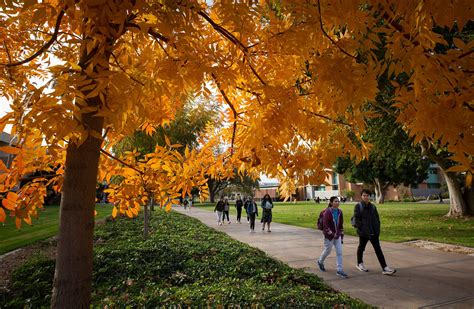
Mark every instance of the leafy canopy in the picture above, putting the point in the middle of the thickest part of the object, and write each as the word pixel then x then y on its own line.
pixel 292 79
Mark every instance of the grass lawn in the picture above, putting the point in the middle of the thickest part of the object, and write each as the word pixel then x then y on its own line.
pixel 400 221
pixel 45 226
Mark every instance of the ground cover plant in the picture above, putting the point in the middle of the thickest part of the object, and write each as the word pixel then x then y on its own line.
pixel 400 221
pixel 45 226
pixel 183 263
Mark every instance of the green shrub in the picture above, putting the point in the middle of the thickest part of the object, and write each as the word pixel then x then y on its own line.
pixel 183 263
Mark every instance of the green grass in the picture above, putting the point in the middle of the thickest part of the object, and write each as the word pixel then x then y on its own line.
pixel 400 221
pixel 45 226
pixel 183 264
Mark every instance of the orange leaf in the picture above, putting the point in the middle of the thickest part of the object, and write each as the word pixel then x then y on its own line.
pixel 8 204
pixel 18 222
pixel 12 196
pixel 10 149
pixel 27 220
pixel 3 215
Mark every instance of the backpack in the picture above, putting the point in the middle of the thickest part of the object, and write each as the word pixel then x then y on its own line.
pixel 353 219
pixel 319 224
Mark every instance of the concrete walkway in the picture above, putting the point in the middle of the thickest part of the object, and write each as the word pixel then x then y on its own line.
pixel 424 278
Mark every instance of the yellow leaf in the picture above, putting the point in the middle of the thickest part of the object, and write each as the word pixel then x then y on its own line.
pixel 168 207
pixel 114 212
pixel 468 179
pixel 167 140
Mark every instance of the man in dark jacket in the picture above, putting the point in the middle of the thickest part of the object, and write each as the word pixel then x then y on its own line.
pixel 368 227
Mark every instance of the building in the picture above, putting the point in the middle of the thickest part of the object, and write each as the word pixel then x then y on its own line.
pixel 337 185
pixel 5 140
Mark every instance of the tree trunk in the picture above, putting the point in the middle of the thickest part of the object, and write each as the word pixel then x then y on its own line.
pixel 146 220
pixel 379 191
pixel 458 206
pixel 73 273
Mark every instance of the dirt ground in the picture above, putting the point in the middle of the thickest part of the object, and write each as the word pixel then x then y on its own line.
pixel 440 246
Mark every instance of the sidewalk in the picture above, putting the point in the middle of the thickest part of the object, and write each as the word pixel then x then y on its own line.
pixel 424 278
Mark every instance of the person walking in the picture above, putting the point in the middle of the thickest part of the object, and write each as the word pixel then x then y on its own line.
pixel 226 211
pixel 252 211
pixel 219 210
pixel 333 231
pixel 367 222
pixel 185 203
pixel 267 206
pixel 238 205
pixel 246 204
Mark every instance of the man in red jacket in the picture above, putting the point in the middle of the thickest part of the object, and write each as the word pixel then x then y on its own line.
pixel 333 233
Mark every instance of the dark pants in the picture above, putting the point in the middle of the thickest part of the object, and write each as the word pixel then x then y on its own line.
pixel 252 221
pixel 226 213
pixel 239 214
pixel 374 240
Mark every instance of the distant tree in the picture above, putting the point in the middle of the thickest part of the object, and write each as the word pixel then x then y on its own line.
pixel 185 129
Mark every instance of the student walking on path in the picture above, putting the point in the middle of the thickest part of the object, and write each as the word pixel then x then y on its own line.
pixel 226 211
pixel 333 231
pixel 267 206
pixel 238 205
pixel 252 211
pixel 219 209
pixel 367 222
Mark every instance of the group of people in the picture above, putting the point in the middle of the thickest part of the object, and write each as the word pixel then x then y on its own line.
pixel 367 222
pixel 250 207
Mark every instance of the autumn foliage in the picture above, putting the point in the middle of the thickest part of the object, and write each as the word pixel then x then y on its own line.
pixel 292 78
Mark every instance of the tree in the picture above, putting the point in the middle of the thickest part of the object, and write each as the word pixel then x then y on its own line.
pixel 243 183
pixel 123 65
pixel 392 159
pixel 185 129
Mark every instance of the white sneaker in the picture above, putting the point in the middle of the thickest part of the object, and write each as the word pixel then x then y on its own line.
pixel 361 267
pixel 388 271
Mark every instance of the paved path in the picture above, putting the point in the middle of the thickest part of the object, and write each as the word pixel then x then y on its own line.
pixel 424 279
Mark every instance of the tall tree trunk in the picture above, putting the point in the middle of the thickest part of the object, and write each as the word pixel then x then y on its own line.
pixel 379 191
pixel 458 206
pixel 73 273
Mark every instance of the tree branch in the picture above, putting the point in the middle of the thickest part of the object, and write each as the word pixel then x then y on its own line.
pixel 45 47
pixel 234 111
pixel 120 161
pixel 327 118
pixel 225 33
pixel 130 76
pixel 326 35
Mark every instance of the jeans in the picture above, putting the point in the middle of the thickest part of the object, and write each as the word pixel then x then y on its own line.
pixel 337 243
pixel 226 214
pixel 239 214
pixel 374 240
pixel 252 221
pixel 219 216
